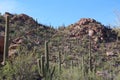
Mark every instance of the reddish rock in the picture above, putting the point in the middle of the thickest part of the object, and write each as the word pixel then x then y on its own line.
pixel 1 47
pixel 13 49
pixel 88 26
pixel 85 21
pixel 18 40
pixel 23 18
pixel 8 14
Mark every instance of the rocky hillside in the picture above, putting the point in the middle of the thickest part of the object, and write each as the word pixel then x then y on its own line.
pixel 25 32
pixel 28 33
pixel 87 26
pixel 87 41
pixel 77 39
pixel 24 24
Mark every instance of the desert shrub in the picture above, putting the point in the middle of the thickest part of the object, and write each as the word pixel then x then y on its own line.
pixel 22 67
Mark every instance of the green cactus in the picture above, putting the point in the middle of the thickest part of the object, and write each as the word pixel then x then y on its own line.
pixel 59 64
pixel 43 65
pixel 83 71
pixel 50 73
pixel 6 45
pixel 90 63
pixel 72 65
pixel 46 54
pixel 39 66
pixel 84 68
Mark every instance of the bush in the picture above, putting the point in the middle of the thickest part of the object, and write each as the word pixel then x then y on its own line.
pixel 23 68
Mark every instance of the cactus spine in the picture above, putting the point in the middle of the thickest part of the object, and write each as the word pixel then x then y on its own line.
pixel 5 55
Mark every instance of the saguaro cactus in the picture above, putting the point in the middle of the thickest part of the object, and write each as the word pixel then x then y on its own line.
pixel 83 68
pixel 46 55
pixel 90 64
pixel 43 65
pixel 6 45
pixel 90 34
pixel 59 64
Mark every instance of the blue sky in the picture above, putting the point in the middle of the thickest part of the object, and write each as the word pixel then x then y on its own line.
pixel 59 12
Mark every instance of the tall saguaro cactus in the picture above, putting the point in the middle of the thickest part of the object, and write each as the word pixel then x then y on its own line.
pixel 46 54
pixel 90 33
pixel 5 55
pixel 90 64
pixel 59 64
pixel 45 70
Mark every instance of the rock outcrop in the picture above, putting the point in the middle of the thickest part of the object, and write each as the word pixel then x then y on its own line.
pixel 23 28
pixel 99 31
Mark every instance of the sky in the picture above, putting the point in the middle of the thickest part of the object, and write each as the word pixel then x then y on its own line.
pixel 64 12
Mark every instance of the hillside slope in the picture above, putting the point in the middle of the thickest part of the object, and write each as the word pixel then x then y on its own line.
pixel 25 32
pixel 86 49
pixel 78 38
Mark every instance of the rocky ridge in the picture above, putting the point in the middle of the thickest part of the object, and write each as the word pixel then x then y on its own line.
pixel 24 31
pixel 99 31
